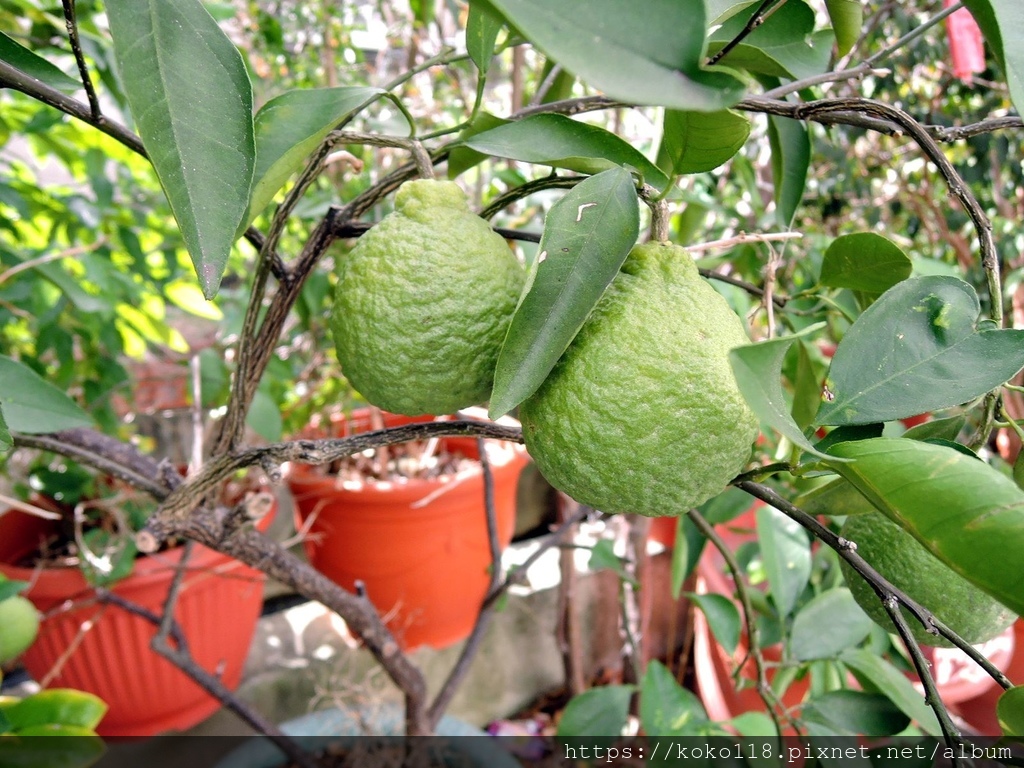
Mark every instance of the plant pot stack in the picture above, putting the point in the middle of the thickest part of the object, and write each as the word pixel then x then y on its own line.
pixel 419 547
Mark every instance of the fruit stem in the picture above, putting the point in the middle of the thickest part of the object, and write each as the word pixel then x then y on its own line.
pixel 659 221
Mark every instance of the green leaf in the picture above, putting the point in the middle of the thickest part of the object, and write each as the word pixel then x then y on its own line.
pixel 784 45
pixel 837 498
pixel 482 28
pixel 264 416
pixel 1002 21
pixel 806 388
pixel 562 142
pixel 600 711
pixel 587 236
pixel 288 128
pixel 977 529
pixel 462 158
pixel 791 157
pixel 871 668
pixel 695 142
pixel 837 610
pixel 666 708
pixel 847 18
pixel 786 554
pixel 856 713
pixel 33 405
pixel 720 10
pixel 191 98
pixel 723 618
pixel 6 443
pixel 602 555
pixel 686 553
pixel 1010 711
pixel 35 66
pixel 10 587
pixel 865 262
pixel 758 369
pixel 917 349
pixel 937 429
pixel 652 58
pixel 56 706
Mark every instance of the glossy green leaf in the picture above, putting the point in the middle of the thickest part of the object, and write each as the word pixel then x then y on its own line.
pixel 33 405
pixel 937 429
pixel 758 369
pixel 871 668
pixel 806 387
pixel 666 708
pixel 856 713
pixel 786 554
pixel 482 28
pixel 864 261
pixel 695 142
pixel 562 142
pixel 1002 25
pixel 192 102
pixel 462 158
pixel 6 443
pixel 918 348
pixel 791 157
pixel 22 58
pixel 686 553
pixel 848 432
pixel 784 45
pixel 835 609
pixel 651 58
pixel 720 10
pixel 599 711
pixel 837 498
pixel 847 18
pixel 587 236
pixel 977 529
pixel 1010 711
pixel 288 128
pixel 723 618
pixel 56 706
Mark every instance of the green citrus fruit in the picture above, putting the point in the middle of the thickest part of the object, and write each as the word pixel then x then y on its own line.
pixel 902 560
pixel 19 623
pixel 423 303
pixel 642 413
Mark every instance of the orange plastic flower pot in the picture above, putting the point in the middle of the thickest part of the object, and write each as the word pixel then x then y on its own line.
pixel 418 547
pixel 105 650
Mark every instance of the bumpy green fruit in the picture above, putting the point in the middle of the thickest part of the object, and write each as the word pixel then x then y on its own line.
pixel 423 304
pixel 19 623
pixel 642 413
pixel 901 559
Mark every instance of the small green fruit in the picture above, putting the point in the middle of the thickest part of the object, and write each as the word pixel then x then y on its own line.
pixel 19 624
pixel 903 561
pixel 642 413
pixel 423 304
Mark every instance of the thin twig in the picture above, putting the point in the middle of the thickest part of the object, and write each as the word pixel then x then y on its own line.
pixel 764 689
pixel 763 12
pixel 71 23
pixel 486 613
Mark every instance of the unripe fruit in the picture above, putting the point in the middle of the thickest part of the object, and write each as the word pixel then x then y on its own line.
pixel 423 304
pixel 642 413
pixel 19 623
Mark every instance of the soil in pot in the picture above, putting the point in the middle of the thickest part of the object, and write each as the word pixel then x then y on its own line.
pixel 408 526
pixel 105 650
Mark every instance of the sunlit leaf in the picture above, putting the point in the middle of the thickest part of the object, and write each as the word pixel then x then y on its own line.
pixel 847 18
pixel 35 66
pixel 192 102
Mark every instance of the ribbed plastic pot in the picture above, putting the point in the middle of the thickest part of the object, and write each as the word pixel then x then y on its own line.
pixel 419 547
pixel 105 650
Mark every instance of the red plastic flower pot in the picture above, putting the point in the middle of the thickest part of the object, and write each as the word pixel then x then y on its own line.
pixel 105 650
pixel 419 547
